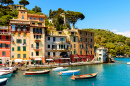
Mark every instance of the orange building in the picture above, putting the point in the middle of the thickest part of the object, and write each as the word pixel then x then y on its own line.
pixel 5 38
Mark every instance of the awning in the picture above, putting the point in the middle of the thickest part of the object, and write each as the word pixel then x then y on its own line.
pixel 76 57
pixel 38 59
pixel 18 60
pixel 26 60
pixel 49 59
pixel 64 58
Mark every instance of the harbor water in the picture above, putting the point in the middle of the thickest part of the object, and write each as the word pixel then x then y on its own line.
pixel 112 74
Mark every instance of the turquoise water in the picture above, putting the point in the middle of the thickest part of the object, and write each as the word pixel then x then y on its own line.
pixel 113 74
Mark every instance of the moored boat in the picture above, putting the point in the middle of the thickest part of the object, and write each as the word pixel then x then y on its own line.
pixel 128 63
pixel 5 74
pixel 85 76
pixel 3 81
pixel 60 69
pixel 11 68
pixel 70 72
pixel 24 69
pixel 36 72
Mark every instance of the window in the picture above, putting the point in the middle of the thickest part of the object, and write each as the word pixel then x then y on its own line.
pixel 91 40
pixel 18 48
pixel 86 52
pixel 18 34
pixel 91 34
pixel 81 46
pixel 91 52
pixel 91 46
pixel 34 18
pixel 86 33
pixel 33 30
pixel 41 30
pixel 19 27
pixel 54 54
pixel 24 55
pixel 31 45
pixel 30 18
pixel 74 45
pixel 18 55
pixel 54 39
pixel 24 48
pixel 0 36
pixel 7 37
pixel 21 12
pixel 80 32
pixel 22 17
pixel 20 7
pixel 24 27
pixel 8 45
pixel 19 41
pixel 80 52
pixel 86 46
pixel 80 39
pixel 34 36
pixel 86 39
pixel 74 39
pixel 12 48
pixel 48 46
pixel 13 27
pixel 41 19
pixel 48 38
pixel 60 33
pixel 48 53
pixel 3 45
pixel 24 41
pixel 74 52
pixel 37 53
pixel 3 53
pixel 12 56
pixel 62 46
pixel 24 34
pixel 32 54
pixel 61 39
pixel 72 33
pixel 71 52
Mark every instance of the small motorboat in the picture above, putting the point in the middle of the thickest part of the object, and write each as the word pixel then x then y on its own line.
pixel 85 76
pixel 25 69
pixel 60 69
pixel 128 63
pixel 36 72
pixel 5 74
pixel 3 81
pixel 70 72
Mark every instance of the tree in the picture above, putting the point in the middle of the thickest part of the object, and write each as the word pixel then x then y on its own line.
pixel 2 2
pixel 37 9
pixel 9 2
pixel 50 11
pixel 74 17
pixel 24 2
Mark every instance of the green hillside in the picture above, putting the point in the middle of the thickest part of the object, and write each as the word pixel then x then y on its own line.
pixel 116 44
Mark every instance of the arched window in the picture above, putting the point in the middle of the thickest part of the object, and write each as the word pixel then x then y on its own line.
pixel 24 26
pixel 19 27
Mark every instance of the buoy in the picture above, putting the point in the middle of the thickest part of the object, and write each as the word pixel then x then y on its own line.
pixel 31 78
pixel 39 80
pixel 93 83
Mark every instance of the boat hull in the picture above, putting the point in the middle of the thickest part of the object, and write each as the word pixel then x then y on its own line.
pixel 36 73
pixel 3 82
pixel 70 73
pixel 86 76
pixel 24 69
pixel 6 75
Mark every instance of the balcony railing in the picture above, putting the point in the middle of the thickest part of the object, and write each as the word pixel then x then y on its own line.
pixel 37 48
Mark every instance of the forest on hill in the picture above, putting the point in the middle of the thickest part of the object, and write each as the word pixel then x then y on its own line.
pixel 116 44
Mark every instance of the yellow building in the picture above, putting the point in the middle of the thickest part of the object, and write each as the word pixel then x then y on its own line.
pixel 16 7
pixel 28 38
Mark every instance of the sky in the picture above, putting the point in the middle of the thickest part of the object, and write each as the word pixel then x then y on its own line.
pixel 112 15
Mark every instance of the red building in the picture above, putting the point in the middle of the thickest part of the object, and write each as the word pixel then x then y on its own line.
pixel 5 39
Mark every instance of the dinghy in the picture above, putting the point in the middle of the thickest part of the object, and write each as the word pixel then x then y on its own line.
pixel 85 76
pixel 36 72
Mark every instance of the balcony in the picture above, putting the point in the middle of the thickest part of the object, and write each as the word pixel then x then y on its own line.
pixel 60 50
pixel 37 48
pixel 18 29
pixel 37 39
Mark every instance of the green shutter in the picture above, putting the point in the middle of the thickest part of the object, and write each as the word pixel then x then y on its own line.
pixel 24 48
pixel 24 41
pixel 18 48
pixel 12 48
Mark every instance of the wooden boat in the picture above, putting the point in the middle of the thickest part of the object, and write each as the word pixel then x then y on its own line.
pixel 3 81
pixel 24 69
pixel 70 72
pixel 5 74
pixel 85 76
pixel 36 72
pixel 60 69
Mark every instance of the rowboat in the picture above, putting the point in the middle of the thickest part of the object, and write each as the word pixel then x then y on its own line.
pixel 36 72
pixel 24 69
pixel 5 74
pixel 3 81
pixel 85 76
pixel 60 69
pixel 70 72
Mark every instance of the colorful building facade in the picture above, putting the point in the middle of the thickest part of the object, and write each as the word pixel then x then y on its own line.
pixel 5 38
